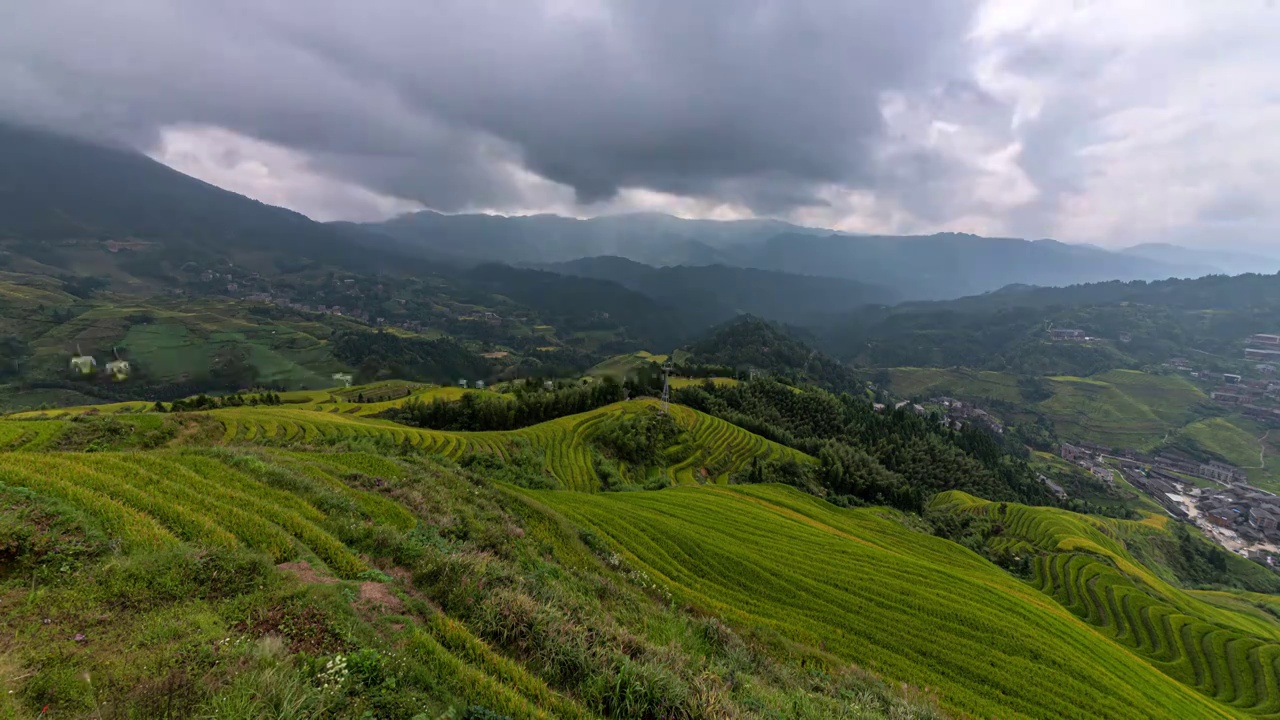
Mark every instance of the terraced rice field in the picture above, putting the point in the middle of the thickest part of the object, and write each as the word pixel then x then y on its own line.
pixel 1121 408
pixel 212 498
pixel 912 382
pixel 1218 650
pixel 29 434
pixel 329 401
pixel 131 406
pixel 712 448
pixel 862 587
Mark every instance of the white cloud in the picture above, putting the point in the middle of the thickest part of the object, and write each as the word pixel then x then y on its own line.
pixel 1111 122
pixel 1150 114
pixel 270 173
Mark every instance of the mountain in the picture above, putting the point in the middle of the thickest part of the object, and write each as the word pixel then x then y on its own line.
pixel 84 208
pixel 716 293
pixel 750 343
pixel 941 266
pixel 1134 324
pixel 651 238
pixel 1209 261
pixel 950 265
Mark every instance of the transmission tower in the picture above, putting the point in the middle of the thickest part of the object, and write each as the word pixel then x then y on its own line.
pixel 666 386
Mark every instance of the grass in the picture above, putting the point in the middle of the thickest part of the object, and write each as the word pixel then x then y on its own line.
pixel 381 397
pixel 863 589
pixel 1226 438
pixel 682 382
pixel 151 500
pixel 1213 648
pixel 171 340
pixel 29 434
pixel 140 584
pixel 956 382
pixel 704 600
pixel 1119 408
pixel 620 367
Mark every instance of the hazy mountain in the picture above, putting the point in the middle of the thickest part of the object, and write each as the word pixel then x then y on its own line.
pixel 949 265
pixel 63 201
pixel 1209 261
pixel 718 292
pixel 946 265
pixel 651 238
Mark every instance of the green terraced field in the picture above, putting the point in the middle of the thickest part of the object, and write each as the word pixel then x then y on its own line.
pixel 1219 650
pixel 958 382
pixel 29 434
pixel 1226 438
pixel 620 367
pixel 329 401
pixel 865 589
pixel 289 505
pixel 1121 408
pixel 711 450
pixel 156 499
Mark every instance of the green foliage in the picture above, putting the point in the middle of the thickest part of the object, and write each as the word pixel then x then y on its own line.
pixel 1008 331
pixel 382 354
pixel 41 538
pixel 898 458
pixel 638 439
pixel 477 412
pixel 751 343
pixel 14 352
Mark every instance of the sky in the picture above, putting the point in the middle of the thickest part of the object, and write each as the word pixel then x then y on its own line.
pixel 1112 122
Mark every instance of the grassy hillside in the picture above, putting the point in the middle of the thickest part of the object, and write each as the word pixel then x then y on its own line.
pixel 708 450
pixel 256 582
pixel 1118 408
pixel 1121 408
pixel 866 590
pixel 621 367
pixel 956 382
pixel 1082 563
pixel 433 585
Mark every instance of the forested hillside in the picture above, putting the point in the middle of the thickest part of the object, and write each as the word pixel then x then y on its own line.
pixel 1009 330
pixel 352 567
pixel 751 344
pixel 716 293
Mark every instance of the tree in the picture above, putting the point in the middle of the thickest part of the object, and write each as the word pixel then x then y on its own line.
pixel 13 353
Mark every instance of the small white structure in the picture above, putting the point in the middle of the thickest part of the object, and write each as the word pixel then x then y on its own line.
pixel 479 384
pixel 84 364
pixel 462 383
pixel 343 378
pixel 119 369
pixel 548 385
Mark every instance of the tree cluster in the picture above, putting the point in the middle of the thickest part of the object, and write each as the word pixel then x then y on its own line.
pixel 476 411
pixel 893 457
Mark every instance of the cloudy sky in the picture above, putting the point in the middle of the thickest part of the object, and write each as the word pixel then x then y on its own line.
pixel 1105 121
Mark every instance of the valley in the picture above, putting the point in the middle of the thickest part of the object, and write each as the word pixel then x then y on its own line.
pixel 494 468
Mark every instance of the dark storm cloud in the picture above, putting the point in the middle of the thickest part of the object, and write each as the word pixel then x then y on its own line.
pixel 760 102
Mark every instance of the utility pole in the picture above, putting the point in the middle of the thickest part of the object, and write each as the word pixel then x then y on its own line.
pixel 666 386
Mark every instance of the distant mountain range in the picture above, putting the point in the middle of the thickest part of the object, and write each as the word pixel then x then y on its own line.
pixel 932 267
pixel 67 206
pixel 715 293
pixel 1215 262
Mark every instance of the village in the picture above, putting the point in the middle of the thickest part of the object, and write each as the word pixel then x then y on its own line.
pixel 1238 516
